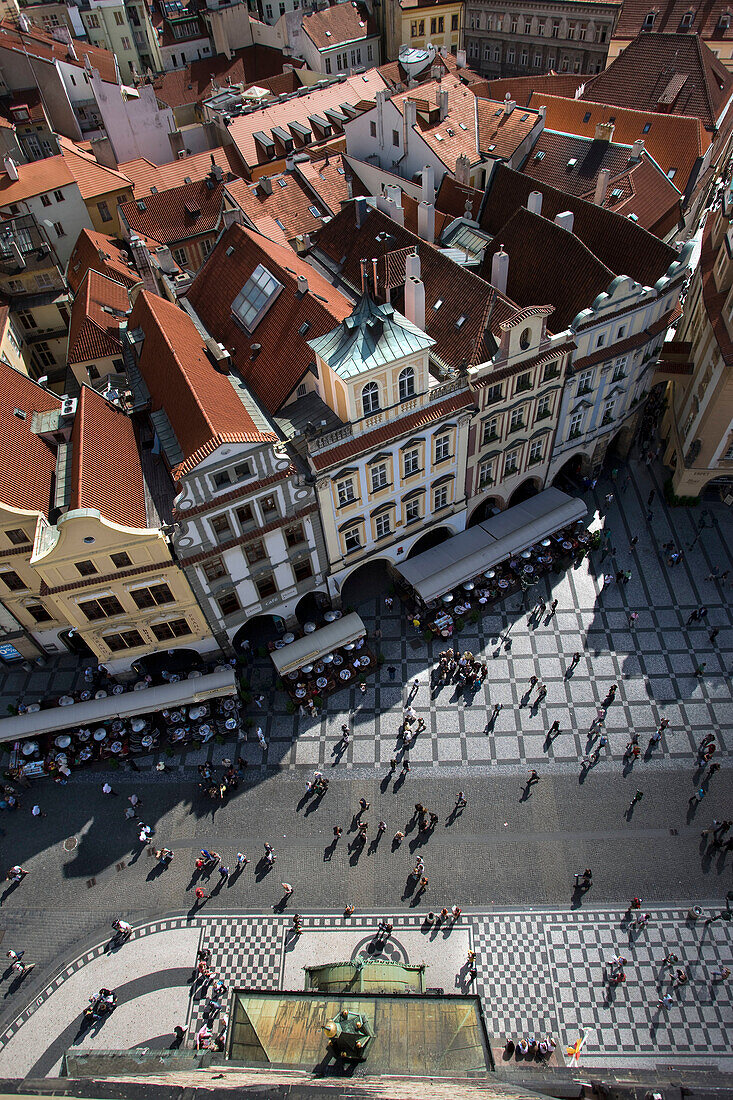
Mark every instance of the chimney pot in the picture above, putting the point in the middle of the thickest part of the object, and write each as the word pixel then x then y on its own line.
pixel 601 186
pixel 302 284
pixel 500 270
pixel 637 149
pixel 426 222
pixel 565 220
pixel 534 202
pixel 415 300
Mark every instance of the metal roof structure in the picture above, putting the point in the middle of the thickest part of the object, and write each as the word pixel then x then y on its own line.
pixel 374 335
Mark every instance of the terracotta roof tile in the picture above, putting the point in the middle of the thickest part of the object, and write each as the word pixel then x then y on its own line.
pixel 284 356
pixel 34 178
pixel 520 88
pixel 27 463
pixel 617 243
pixel 176 214
pixel 94 332
pixel 37 44
pixel 93 178
pixel 675 141
pixel 198 399
pixel 98 252
pixel 452 198
pixel 669 13
pixel 456 133
pixel 323 460
pixel 144 175
pixel 289 203
pixel 337 25
pixel 29 100
pixel 671 73
pixel 501 134
pixel 251 65
pixel 461 293
pixel 635 186
pixel 105 463
pixel 328 178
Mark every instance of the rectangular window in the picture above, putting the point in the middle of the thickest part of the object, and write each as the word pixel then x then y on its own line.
pixel 175 628
pixel 12 581
pixel 266 587
pixel 104 607
pixel 125 43
pixel 268 505
pixel 412 463
pixel 585 383
pixel 345 490
pixel 608 411
pixel 86 568
pixel 486 473
pixel 379 477
pixel 382 526
pixel 524 383
pixel 328 72
pixel 551 371
pixel 535 452
pixel 302 570
pixel 229 604
pixel 619 370
pixel 514 24
pixel 214 569
pixel 576 425
pixel 221 528
pixel 511 463
pixel 245 514
pixel 395 137
pixel 104 212
pixel 123 639
pixel 295 535
pixel 571 31
pixel 59 229
pixel 491 430
pixel 352 540
pixel 412 510
pixel 222 479
pixel 59 196
pixel 441 24
pixel 119 19
pixel 454 20
pixel 440 498
pixel 541 27
pixel 153 596
pixel 433 26
pixel 527 25
pixel 516 420
pixel 39 613
pixel 45 200
pixel 179 255
pixel 27 319
pixel 543 408
pixel 255 551
pixel 372 129
pixel 493 394
pixel 17 536
pixel 442 448
pixel 555 28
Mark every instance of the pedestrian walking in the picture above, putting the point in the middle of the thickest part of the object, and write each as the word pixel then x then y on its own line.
pixel 692 617
pixel 633 618
pixel 287 889
pixel 242 861
pixel 224 874
pixel 714 633
pixel 460 801
pixel 650 498
pixel 261 737
pixel 575 660
pixel 700 669
pixel 666 1001
pixel 702 614
pixel 633 541
pixel 398 837
pixel 388 601
pixel 720 974
pixel 201 894
pixel 392 672
pixel 649 515
pixel 106 789
pixel 554 729
pixel 134 801
pixel 38 812
pixel 553 608
pixel 363 805
pixel 259 700
pixel 533 778
pixel 637 797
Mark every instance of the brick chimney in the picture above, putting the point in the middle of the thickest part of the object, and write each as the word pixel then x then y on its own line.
pixel 604 131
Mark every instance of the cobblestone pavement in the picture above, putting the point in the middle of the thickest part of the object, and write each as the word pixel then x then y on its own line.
pixel 539 973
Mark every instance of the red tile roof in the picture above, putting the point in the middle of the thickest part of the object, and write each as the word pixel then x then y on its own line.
pixel 176 214
pixel 94 332
pixel 328 178
pixel 37 44
pixel 198 399
pixel 93 179
pixel 98 252
pixel 452 198
pixel 675 141
pixel 252 65
pixel 339 24
pixel 27 463
pixel 617 243
pixel 33 178
pixel 501 134
pixel 456 133
pixel 462 293
pixel 145 175
pixel 520 88
pixel 323 460
pixel 670 73
pixel 395 75
pixel 105 463
pixel 284 356
pixel 289 203
pixel 669 15
pixel 637 186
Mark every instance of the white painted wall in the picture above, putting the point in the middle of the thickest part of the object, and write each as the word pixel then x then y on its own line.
pixel 134 123
pixel 72 214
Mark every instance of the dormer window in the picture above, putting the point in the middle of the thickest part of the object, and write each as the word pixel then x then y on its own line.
pixel 649 20
pixel 687 19
pixel 724 21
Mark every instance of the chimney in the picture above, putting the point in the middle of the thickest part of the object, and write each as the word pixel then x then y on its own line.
pixel 349 187
pixel 375 277
pixel 534 202
pixel 443 103
pixel 410 113
pixel 426 222
pixel 290 163
pixel 302 284
pixel 412 265
pixel 360 207
pixel 460 59
pixel 604 131
pixel 509 104
pixel 10 167
pixel 265 185
pixel 601 186
pixel 415 301
pixel 428 184
pixel 637 149
pixel 565 220
pixel 395 211
pixel 394 192
pixel 500 270
pixel 363 266
pixel 462 169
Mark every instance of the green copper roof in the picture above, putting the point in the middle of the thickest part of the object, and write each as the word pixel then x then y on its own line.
pixel 374 335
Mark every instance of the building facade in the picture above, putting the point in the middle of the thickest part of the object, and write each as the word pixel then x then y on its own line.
pixel 419 23
pixel 698 421
pixel 569 36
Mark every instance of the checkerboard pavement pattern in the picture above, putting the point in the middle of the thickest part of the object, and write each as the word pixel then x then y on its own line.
pixel 653 662
pixel 544 973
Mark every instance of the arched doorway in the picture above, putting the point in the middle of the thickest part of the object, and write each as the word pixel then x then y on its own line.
pixel 369 581
pixel 529 488
pixel 488 507
pixel 75 643
pixel 259 630
pixel 429 540
pixel 310 607
pixel 569 476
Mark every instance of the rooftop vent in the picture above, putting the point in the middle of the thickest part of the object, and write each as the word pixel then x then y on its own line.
pixel 572 163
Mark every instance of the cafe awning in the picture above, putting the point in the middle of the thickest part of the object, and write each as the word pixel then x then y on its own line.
pixel 462 557
pixel 308 649
pixel 130 703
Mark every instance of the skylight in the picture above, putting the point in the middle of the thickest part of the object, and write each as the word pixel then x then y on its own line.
pixel 315 211
pixel 281 225
pixel 540 155
pixel 586 116
pixel 646 128
pixel 283 182
pixel 438 304
pixel 463 125
pixel 461 321
pixel 256 297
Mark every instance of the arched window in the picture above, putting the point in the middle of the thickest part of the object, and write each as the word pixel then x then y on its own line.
pixel 525 338
pixel 370 398
pixel 407 383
